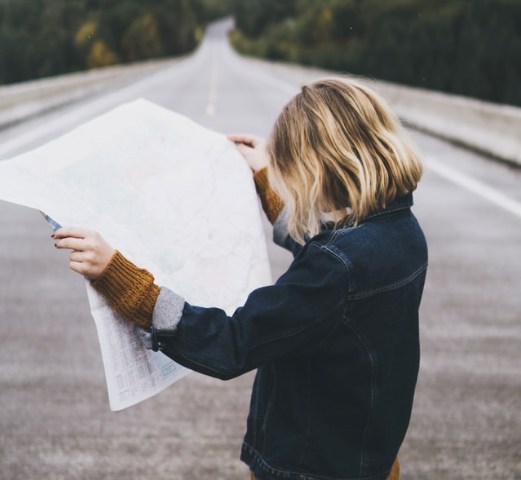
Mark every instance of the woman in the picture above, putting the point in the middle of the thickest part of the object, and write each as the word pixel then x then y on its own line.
pixel 335 340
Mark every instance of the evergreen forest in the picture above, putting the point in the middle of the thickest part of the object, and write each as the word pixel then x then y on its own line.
pixel 40 38
pixel 468 47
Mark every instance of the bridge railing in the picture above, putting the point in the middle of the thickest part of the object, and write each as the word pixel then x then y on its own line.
pixel 490 128
pixel 24 100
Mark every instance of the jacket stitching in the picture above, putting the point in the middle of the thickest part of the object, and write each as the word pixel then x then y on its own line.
pixel 387 288
pixel 308 428
pixel 372 362
pixel 321 318
pixel 345 263
pixel 404 205
pixel 269 407
pixel 255 401
pixel 392 210
pixel 301 475
pixel 195 362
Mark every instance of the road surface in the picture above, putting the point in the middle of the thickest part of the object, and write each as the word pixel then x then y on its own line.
pixel 54 416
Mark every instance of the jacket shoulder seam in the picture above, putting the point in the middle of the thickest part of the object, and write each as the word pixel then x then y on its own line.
pixel 339 258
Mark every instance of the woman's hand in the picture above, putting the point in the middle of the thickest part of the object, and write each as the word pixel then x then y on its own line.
pixel 90 252
pixel 253 149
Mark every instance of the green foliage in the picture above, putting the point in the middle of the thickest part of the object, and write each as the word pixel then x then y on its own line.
pixel 27 32
pixel 40 38
pixel 141 39
pixel 214 9
pixel 253 17
pixel 469 47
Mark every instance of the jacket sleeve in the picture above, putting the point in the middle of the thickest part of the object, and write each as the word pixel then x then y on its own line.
pixel 283 319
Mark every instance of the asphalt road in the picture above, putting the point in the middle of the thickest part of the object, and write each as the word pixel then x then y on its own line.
pixel 54 417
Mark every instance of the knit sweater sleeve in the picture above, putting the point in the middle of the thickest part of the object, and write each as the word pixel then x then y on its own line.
pixel 271 203
pixel 130 290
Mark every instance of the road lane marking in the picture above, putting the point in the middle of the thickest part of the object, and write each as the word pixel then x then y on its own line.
pixel 474 186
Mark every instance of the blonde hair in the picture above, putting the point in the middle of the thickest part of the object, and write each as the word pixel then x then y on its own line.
pixel 337 153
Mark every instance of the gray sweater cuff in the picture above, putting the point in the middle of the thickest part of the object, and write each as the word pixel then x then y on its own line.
pixel 280 228
pixel 167 314
pixel 167 311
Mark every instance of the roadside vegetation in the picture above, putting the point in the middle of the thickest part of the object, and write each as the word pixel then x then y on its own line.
pixel 468 47
pixel 40 38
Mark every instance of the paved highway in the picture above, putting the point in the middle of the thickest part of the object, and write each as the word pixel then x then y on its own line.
pixel 54 416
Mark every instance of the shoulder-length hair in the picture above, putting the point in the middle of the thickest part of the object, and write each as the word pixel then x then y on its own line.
pixel 337 153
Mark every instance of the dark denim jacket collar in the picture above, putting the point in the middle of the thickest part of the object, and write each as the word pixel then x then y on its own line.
pixel 400 203
pixel 403 202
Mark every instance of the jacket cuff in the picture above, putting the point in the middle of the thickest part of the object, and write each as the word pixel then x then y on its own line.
pixel 130 290
pixel 271 203
pixel 167 314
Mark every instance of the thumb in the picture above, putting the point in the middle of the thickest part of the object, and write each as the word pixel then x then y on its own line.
pixel 243 149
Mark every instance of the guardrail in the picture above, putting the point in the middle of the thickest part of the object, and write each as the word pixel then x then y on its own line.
pixel 489 128
pixel 492 129
pixel 23 100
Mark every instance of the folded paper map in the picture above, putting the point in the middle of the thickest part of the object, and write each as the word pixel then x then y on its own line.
pixel 173 197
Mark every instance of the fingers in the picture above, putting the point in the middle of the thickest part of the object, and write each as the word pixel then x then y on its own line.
pixel 90 252
pixel 253 150
pixel 77 238
pixel 235 138
pixel 80 257
pixel 76 267
pixel 243 149
pixel 248 140
pixel 81 268
pixel 72 243
pixel 75 232
pixel 89 264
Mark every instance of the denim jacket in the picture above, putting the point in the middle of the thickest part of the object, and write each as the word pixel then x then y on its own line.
pixel 336 344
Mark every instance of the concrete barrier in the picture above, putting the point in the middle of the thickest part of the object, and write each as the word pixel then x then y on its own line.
pixel 23 100
pixel 492 129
